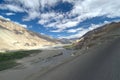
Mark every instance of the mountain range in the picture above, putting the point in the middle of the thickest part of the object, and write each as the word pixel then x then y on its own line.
pixel 15 37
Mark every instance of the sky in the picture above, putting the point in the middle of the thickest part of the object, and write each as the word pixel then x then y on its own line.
pixel 61 18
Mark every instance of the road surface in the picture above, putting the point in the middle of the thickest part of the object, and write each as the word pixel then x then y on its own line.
pixel 98 64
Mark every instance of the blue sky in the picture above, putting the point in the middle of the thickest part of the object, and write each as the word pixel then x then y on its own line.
pixel 61 18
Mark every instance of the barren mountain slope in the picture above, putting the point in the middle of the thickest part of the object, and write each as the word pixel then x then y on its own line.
pixel 99 35
pixel 15 37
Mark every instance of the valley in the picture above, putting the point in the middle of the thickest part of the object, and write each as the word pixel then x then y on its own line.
pixel 37 64
pixel 50 59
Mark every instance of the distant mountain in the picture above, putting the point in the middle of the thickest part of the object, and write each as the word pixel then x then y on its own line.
pixel 65 41
pixel 98 36
pixel 46 37
pixel 15 37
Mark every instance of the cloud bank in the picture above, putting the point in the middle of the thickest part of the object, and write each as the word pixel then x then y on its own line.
pixel 51 14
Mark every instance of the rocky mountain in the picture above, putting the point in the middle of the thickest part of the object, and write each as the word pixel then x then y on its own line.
pixel 98 36
pixel 15 37
pixel 65 41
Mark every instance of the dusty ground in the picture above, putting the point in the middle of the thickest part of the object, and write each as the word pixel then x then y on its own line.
pixel 36 64
pixel 98 63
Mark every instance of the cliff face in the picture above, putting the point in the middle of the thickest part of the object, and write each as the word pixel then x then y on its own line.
pixel 15 37
pixel 98 36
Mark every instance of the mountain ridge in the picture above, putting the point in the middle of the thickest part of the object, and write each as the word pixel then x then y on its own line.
pixel 99 35
pixel 15 37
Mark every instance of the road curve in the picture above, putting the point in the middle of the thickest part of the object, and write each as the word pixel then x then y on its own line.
pixel 99 64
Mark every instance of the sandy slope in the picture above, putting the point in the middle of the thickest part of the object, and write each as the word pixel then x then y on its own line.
pixel 15 37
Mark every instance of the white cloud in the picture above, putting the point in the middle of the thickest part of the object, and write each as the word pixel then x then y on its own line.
pixel 31 15
pixel 5 18
pixel 42 21
pixel 84 30
pixel 9 14
pixel 82 9
pixel 11 7
pixel 74 30
pixel 58 30
pixel 68 24
pixel 22 25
